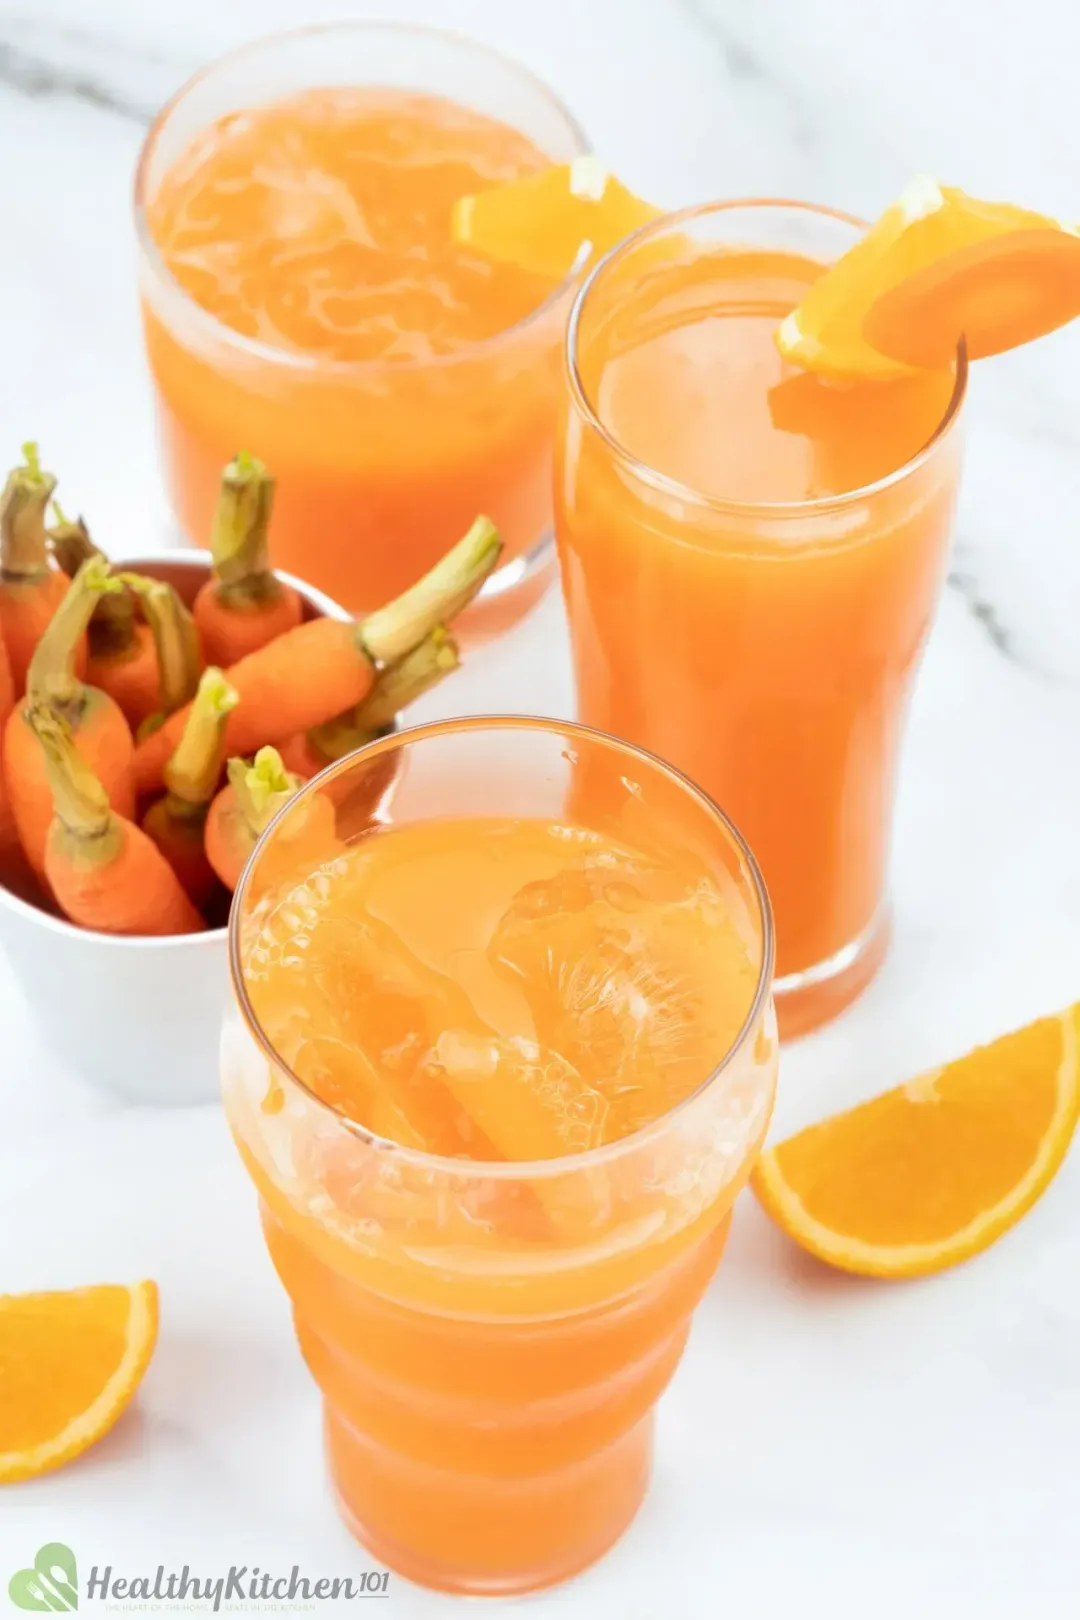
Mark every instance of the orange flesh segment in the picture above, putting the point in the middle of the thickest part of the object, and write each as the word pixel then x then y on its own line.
pixel 933 1171
pixel 544 223
pixel 930 235
pixel 70 1362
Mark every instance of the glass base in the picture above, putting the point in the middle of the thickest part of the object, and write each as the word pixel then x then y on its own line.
pixel 488 1537
pixel 806 1000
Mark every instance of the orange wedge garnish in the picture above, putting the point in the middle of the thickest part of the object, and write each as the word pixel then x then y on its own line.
pixel 937 267
pixel 70 1363
pixel 931 1173
pixel 548 223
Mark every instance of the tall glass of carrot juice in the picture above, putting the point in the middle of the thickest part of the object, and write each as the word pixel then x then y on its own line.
pixel 501 1055
pixel 751 558
pixel 302 299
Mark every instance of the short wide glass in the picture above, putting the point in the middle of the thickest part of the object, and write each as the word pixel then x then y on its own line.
pixel 766 650
pixel 489 1395
pixel 380 465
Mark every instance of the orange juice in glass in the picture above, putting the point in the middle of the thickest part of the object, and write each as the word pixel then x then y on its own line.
pixel 302 299
pixel 501 1056
pixel 751 557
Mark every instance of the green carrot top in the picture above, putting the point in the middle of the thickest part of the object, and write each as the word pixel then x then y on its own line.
pixel 23 503
pixel 51 678
pixel 80 803
pixel 396 629
pixel 261 787
pixel 238 542
pixel 395 688
pixel 112 624
pixel 191 775
pixel 176 640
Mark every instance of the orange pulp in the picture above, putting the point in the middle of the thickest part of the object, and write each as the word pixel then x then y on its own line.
pixel 396 383
pixel 763 646
pixel 490 1343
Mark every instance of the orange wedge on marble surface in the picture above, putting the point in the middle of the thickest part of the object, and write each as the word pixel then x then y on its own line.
pixel 550 222
pixel 70 1363
pixel 937 267
pixel 930 1173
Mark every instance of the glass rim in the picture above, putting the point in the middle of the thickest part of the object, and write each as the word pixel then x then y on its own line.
pixel 512 1169
pixel 673 487
pixel 255 348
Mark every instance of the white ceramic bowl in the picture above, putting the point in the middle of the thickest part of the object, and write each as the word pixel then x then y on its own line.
pixel 140 1018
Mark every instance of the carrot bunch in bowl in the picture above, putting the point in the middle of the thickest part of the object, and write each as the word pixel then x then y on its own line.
pixel 200 722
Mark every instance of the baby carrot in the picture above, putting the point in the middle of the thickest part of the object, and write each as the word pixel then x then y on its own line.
pixel 30 590
pixel 7 682
pixel 326 666
pixel 176 821
pixel 176 649
pixel 244 605
pixel 9 837
pixel 10 848
pixel 246 805
pixel 104 872
pixel 16 874
pixel 100 730
pixel 395 688
pixel 122 659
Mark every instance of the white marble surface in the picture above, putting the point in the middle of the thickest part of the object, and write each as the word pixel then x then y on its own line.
pixel 828 1447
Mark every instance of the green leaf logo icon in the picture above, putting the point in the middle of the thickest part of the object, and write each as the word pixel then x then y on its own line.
pixel 51 1586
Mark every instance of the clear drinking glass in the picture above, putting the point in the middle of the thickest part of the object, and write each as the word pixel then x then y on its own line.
pixel 490 1338
pixel 767 648
pixel 380 464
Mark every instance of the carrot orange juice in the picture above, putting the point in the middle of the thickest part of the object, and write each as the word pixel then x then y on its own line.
pixel 303 299
pixel 751 557
pixel 498 1076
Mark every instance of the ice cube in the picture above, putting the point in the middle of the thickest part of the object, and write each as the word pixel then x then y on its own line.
pixel 526 1099
pixel 636 975
pixel 355 1014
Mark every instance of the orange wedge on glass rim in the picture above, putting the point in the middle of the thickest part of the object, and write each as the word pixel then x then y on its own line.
pixel 549 223
pixel 931 1173
pixel 70 1363
pixel 937 266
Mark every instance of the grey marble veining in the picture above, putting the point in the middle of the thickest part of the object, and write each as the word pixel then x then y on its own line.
pixel 87 66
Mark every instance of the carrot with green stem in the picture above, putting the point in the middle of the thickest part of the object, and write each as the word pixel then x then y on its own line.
pixel 122 658
pixel 176 821
pixel 327 666
pixel 177 653
pixel 101 733
pixel 255 792
pixel 104 872
pixel 245 807
pixel 244 605
pixel 30 589
pixel 395 689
